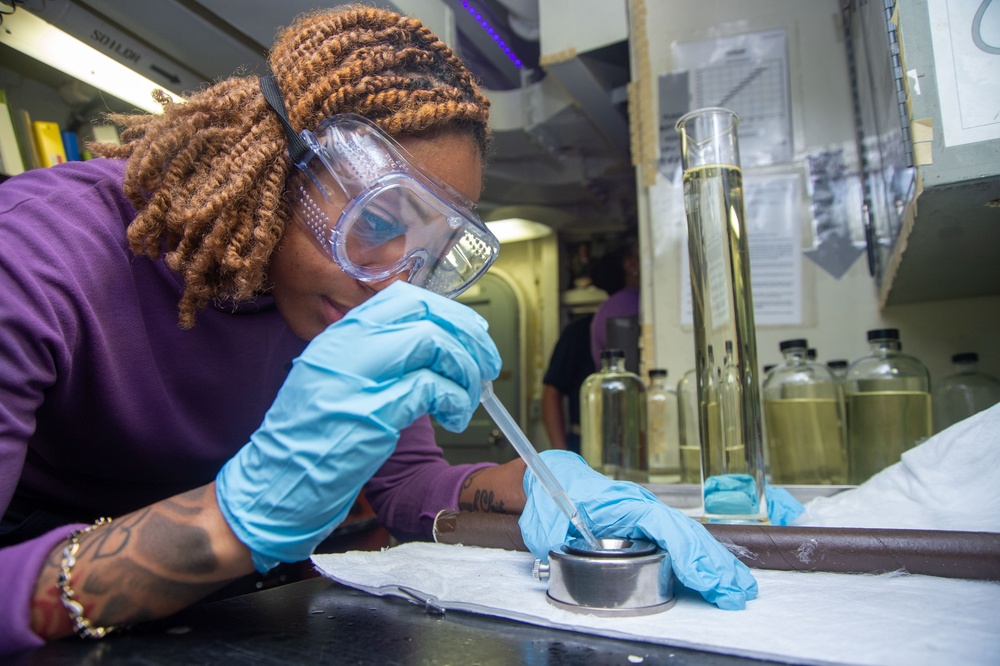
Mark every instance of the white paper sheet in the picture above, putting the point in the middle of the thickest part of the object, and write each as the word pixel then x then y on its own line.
pixel 803 617
pixel 966 38
pixel 747 73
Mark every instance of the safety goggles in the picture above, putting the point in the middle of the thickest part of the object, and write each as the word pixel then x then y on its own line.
pixel 398 218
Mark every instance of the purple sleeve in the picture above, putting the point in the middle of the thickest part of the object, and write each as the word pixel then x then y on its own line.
pixel 19 568
pixel 416 483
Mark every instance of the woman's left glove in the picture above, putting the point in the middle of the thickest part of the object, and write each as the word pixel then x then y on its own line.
pixel 403 353
pixel 626 510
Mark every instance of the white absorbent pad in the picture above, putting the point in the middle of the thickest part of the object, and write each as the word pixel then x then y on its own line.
pixel 799 617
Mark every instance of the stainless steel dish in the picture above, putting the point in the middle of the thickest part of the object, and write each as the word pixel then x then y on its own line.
pixel 622 578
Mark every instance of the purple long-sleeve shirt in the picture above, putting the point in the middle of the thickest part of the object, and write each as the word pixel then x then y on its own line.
pixel 107 405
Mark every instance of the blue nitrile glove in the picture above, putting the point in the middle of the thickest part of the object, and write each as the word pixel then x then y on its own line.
pixel 782 508
pixel 403 353
pixel 732 494
pixel 627 510
pixel 737 494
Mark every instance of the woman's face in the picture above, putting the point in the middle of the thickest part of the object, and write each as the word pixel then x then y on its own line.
pixel 309 288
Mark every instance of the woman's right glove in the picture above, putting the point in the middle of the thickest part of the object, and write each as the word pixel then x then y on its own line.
pixel 403 353
pixel 626 510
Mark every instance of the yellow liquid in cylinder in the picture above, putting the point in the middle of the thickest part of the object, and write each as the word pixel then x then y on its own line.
pixel 881 425
pixel 804 439
pixel 722 303
pixel 736 459
pixel 712 448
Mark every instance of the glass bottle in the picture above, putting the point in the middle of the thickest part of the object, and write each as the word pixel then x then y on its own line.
pixel 613 420
pixel 687 427
pixel 839 368
pixel 623 398
pixel 767 450
pixel 710 419
pixel 888 406
pixel 733 485
pixel 731 411
pixel 662 429
pixel 964 393
pixel 803 415
pixel 591 443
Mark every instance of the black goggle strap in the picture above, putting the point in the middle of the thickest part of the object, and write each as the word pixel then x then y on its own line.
pixel 297 147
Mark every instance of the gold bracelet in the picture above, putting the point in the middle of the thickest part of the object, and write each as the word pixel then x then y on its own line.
pixel 83 627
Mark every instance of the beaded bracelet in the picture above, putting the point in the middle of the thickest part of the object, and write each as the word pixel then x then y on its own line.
pixel 83 627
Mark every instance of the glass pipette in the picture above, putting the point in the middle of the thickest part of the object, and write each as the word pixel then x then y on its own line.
pixel 535 463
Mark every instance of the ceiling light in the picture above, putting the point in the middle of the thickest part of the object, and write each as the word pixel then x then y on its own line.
pixel 516 229
pixel 46 43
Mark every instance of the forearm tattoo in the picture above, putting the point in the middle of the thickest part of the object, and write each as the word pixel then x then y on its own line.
pixel 483 499
pixel 146 564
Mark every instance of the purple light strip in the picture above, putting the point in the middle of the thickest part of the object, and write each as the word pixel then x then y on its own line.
pixel 485 25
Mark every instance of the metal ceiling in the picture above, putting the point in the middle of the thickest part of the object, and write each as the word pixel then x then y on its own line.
pixel 562 131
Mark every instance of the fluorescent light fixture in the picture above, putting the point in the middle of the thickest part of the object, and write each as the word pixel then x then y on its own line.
pixel 46 43
pixel 516 229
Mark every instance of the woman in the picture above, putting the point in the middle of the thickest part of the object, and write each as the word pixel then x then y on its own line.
pixel 156 300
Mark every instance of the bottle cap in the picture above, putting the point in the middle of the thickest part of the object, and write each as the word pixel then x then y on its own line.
pixel 613 353
pixel 785 345
pixel 965 357
pixel 883 334
pixel 837 364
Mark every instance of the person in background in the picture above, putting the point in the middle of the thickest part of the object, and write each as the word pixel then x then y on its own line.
pixel 561 384
pixel 616 272
pixel 570 363
pixel 218 333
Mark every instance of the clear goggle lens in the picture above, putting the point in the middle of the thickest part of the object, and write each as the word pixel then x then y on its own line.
pixel 397 218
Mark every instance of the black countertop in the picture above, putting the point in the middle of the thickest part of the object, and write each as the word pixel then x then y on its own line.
pixel 319 621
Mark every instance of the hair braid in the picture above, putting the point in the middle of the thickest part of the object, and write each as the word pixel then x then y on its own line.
pixel 208 175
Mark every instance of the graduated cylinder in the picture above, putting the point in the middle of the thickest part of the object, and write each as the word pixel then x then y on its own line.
pixel 725 341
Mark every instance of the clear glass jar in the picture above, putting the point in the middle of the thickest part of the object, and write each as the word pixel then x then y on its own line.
pixel 710 419
pixel 687 427
pixel 888 405
pixel 964 393
pixel 623 423
pixel 803 415
pixel 591 443
pixel 613 420
pixel 732 412
pixel 838 367
pixel 662 429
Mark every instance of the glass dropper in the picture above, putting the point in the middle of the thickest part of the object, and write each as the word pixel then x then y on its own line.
pixel 520 442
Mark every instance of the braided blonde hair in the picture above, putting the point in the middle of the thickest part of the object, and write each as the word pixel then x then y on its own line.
pixel 208 175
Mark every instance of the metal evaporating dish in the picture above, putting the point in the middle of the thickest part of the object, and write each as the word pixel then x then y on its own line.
pixel 622 578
